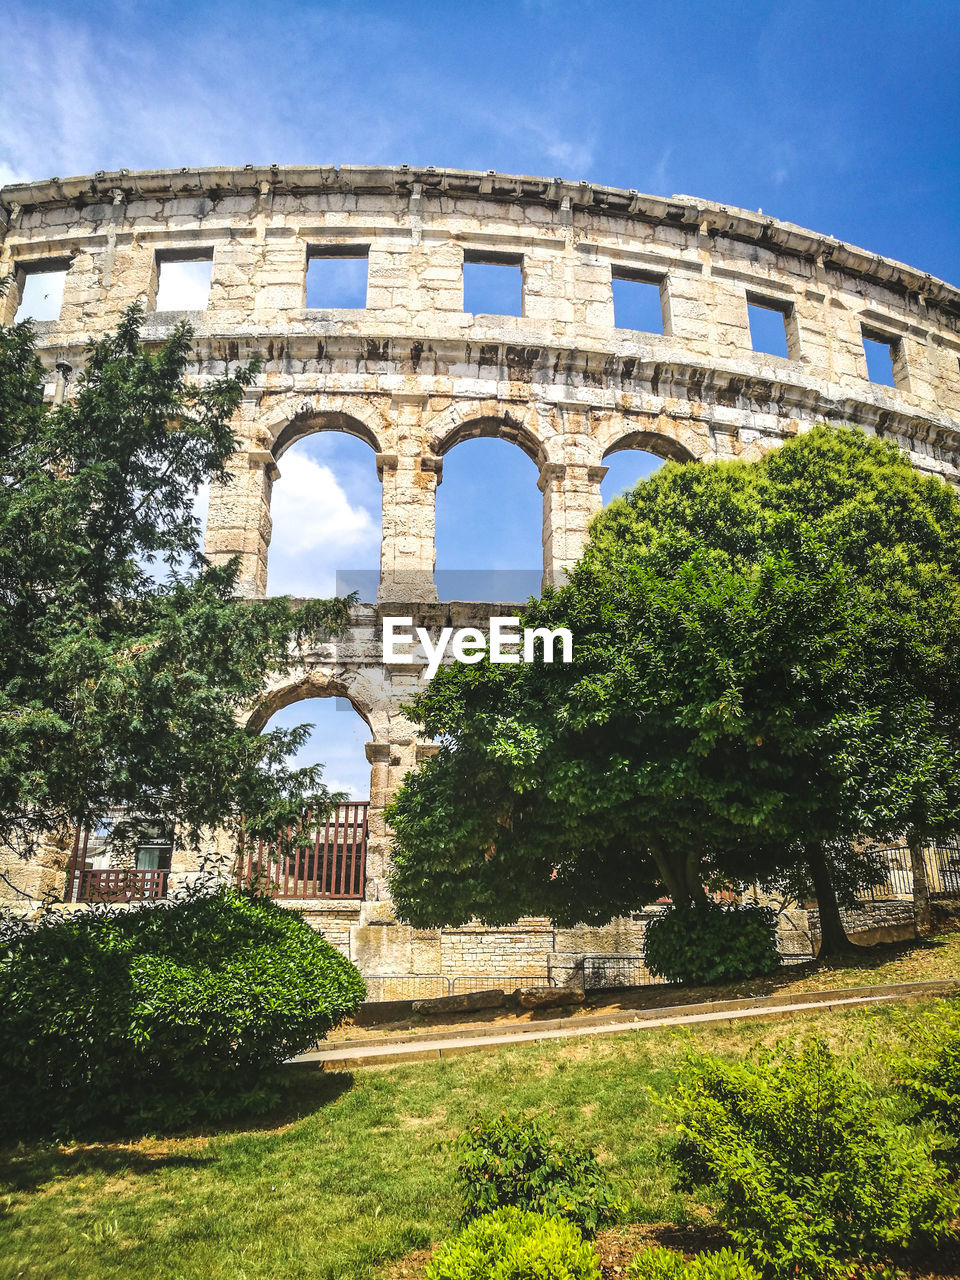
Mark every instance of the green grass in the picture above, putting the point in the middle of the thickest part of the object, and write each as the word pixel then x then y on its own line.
pixel 355 1170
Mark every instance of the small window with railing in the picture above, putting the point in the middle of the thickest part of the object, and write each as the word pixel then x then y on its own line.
pixel 122 859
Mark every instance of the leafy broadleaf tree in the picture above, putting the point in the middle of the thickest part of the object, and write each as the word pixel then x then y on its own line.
pixel 765 671
pixel 126 660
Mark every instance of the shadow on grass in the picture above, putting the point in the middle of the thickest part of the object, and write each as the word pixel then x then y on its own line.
pixel 29 1165
pixel 27 1168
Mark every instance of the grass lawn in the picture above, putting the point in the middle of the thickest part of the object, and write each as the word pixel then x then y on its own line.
pixel 355 1170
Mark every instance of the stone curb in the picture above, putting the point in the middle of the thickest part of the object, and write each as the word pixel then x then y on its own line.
pixel 384 1051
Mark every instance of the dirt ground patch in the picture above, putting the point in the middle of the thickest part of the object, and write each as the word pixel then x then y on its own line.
pixel 618 1246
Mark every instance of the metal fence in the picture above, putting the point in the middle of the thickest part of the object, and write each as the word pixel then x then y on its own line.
pixel 430 986
pixel 118 884
pixel 942 862
pixel 611 972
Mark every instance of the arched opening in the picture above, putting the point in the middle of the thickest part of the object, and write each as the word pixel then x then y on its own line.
pixel 625 470
pixel 337 741
pixel 489 521
pixel 324 858
pixel 635 458
pixel 326 511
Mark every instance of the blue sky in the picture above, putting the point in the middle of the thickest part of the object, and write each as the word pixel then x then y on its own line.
pixel 839 116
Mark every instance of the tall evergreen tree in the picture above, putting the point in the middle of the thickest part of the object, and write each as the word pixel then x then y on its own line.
pixel 126 661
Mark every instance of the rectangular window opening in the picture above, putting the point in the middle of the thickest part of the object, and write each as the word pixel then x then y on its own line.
pixel 769 334
pixel 41 291
pixel 337 277
pixel 183 281
pixel 492 283
pixel 637 301
pixel 881 351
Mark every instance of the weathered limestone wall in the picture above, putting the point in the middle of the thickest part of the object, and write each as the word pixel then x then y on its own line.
pixel 412 374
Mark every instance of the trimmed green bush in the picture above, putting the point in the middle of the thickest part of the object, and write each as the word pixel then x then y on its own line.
pixel 711 944
pixel 932 1077
pixel 121 1020
pixel 664 1264
pixel 810 1168
pixel 506 1161
pixel 512 1245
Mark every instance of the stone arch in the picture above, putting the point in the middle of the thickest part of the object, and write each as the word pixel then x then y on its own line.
pixel 672 444
pixel 312 422
pixel 491 420
pixel 324 682
pixel 296 419
pixel 284 421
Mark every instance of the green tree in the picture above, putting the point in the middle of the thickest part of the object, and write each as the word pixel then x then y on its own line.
pixel 126 661
pixel 765 671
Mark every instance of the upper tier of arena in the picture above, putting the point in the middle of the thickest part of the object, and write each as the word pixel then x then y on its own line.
pixel 413 373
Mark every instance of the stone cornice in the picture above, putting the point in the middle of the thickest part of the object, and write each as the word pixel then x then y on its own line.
pixel 262 182
pixel 602 381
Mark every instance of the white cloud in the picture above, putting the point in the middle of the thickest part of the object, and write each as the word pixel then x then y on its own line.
pixel 316 530
pixel 116 90
pixel 184 286
pixel 119 91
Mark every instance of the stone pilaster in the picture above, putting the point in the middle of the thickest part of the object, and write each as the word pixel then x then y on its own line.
pixel 239 522
pixel 378 843
pixel 410 478
pixel 571 498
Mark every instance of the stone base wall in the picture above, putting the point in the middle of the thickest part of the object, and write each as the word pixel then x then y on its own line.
pixel 892 920
pixel 28 882
pixel 403 963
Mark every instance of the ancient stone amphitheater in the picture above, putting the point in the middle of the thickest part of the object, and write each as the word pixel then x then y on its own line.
pixel 412 374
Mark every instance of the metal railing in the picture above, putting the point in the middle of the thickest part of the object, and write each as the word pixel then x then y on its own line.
pixel 611 972
pixel 323 861
pixel 430 986
pixel 109 884
pixel 942 862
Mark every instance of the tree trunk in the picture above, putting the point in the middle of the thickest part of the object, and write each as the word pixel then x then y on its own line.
pixel 694 882
pixel 921 887
pixel 833 936
pixel 671 881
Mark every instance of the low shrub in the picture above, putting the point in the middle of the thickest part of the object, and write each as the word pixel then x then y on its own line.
pixel 664 1264
pixel 119 1020
pixel 809 1168
pixel 711 944
pixel 510 1244
pixel 519 1163
pixel 931 1077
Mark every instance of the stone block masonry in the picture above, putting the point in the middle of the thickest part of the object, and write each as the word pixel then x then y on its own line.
pixel 412 374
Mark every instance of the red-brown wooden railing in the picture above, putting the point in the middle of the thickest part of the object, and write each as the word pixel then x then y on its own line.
pixel 118 884
pixel 326 861
pixel 110 884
